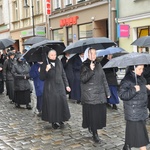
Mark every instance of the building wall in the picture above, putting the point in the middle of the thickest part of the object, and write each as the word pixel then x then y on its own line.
pixel 133 7
pixel 136 14
pixel 94 12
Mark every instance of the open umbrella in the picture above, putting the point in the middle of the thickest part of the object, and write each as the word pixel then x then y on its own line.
pixel 4 43
pixel 130 59
pixel 109 50
pixel 34 40
pixel 142 41
pixel 97 43
pixel 39 51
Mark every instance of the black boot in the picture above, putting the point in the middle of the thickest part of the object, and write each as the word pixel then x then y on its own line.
pixel 126 147
pixel 96 138
pixel 115 107
pixel 55 126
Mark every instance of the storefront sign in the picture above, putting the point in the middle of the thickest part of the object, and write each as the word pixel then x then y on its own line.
pixel 68 21
pixel 48 7
pixel 39 31
pixel 123 30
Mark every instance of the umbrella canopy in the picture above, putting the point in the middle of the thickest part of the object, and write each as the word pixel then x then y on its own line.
pixel 97 43
pixel 142 41
pixel 108 51
pixel 39 51
pixel 34 40
pixel 4 43
pixel 130 59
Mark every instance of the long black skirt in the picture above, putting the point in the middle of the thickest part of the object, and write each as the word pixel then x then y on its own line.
pixel 94 116
pixel 136 134
pixel 22 97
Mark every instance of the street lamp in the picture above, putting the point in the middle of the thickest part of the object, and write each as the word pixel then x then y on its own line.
pixel 27 6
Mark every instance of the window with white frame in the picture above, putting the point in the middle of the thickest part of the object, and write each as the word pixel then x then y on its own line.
pixel 68 2
pixel 16 9
pixel 38 6
pixel 57 4
pixel 1 14
pixel 78 1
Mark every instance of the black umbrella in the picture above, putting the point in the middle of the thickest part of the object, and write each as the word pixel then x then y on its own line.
pixel 34 40
pixel 97 43
pixel 142 41
pixel 130 59
pixel 4 43
pixel 38 52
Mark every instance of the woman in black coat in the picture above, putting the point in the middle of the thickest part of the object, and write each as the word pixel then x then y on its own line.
pixel 94 94
pixel 20 72
pixel 55 108
pixel 133 92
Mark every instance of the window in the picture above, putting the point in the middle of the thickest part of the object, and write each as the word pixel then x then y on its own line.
pixel 1 14
pixel 38 8
pixel 78 1
pixel 85 31
pixel 57 4
pixel 58 35
pixel 69 35
pixel 16 9
pixel 68 2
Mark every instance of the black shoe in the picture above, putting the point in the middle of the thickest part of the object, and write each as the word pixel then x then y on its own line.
pixel 39 114
pixel 78 102
pixel 96 138
pixel 55 126
pixel 61 125
pixel 89 129
pixel 126 147
pixel 108 105
pixel 115 107
pixel 17 106
pixel 28 107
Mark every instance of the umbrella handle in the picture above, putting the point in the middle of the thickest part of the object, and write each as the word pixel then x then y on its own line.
pixel 135 76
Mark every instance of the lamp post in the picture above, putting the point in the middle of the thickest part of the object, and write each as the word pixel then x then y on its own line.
pixel 27 6
pixel 109 19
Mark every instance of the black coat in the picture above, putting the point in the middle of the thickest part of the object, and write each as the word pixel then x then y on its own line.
pixel 110 73
pixel 76 89
pixel 94 86
pixel 7 68
pixel 55 106
pixel 19 71
pixel 135 103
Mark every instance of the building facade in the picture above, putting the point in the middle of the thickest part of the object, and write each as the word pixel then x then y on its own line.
pixel 71 20
pixel 27 19
pixel 4 19
pixel 135 14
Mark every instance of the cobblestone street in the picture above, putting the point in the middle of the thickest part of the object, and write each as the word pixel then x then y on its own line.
pixel 21 129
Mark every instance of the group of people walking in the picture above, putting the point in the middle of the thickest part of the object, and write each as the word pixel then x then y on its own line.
pixel 95 92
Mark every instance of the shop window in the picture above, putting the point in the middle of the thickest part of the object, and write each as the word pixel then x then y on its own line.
pixel 143 31
pixel 85 31
pixel 69 35
pixel 58 35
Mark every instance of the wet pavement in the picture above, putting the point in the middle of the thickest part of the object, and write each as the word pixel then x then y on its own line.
pixel 21 129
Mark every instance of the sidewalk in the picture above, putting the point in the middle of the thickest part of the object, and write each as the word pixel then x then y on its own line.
pixel 21 129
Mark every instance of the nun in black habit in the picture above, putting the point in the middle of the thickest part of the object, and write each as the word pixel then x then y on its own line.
pixel 55 108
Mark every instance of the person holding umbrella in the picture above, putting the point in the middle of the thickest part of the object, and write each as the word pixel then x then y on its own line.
pixel 133 92
pixel 94 94
pixel 55 108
